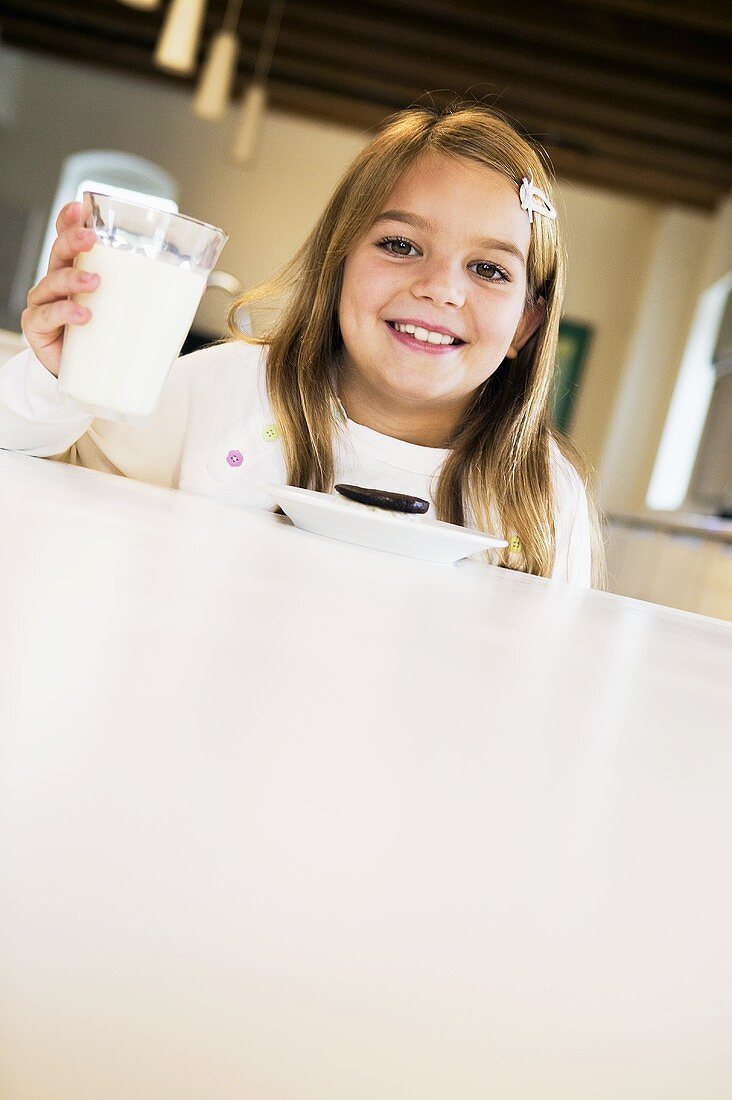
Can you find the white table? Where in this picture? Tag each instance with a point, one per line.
(285, 819)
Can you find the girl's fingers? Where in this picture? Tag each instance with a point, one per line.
(68, 245)
(47, 320)
(68, 216)
(60, 283)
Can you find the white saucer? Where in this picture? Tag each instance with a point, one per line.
(414, 536)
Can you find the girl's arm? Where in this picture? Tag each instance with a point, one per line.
(205, 393)
(35, 418)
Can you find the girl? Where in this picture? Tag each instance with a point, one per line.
(413, 351)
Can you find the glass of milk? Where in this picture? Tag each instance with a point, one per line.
(153, 266)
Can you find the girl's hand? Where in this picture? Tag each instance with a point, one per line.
(49, 307)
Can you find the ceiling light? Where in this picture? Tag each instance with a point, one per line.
(219, 69)
(177, 47)
(252, 109)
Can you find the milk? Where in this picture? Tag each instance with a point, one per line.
(141, 313)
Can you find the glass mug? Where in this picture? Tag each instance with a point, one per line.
(153, 266)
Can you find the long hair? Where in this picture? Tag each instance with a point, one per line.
(499, 467)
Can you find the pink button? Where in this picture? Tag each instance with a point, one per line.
(235, 458)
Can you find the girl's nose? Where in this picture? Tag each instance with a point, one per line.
(441, 283)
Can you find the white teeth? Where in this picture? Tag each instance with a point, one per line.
(425, 335)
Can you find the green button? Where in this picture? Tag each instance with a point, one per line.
(270, 432)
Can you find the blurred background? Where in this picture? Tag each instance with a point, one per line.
(246, 114)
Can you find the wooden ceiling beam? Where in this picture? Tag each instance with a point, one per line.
(555, 128)
(700, 16)
(669, 157)
(549, 39)
(513, 97)
(340, 73)
(554, 133)
(586, 31)
(464, 70)
(705, 15)
(332, 107)
(454, 55)
(601, 172)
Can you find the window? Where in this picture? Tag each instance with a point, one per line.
(699, 388)
(112, 172)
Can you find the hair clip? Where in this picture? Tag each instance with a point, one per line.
(534, 201)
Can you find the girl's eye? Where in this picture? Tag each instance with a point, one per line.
(490, 272)
(398, 246)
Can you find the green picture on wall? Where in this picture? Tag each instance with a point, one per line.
(572, 347)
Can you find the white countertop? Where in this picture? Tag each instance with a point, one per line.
(284, 819)
(682, 523)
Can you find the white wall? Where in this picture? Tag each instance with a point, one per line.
(673, 284)
(609, 243)
(53, 109)
(719, 257)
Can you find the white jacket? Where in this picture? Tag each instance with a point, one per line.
(213, 433)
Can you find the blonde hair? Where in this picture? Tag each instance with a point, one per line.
(498, 470)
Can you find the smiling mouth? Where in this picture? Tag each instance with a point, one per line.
(425, 335)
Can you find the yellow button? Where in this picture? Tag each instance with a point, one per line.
(514, 545)
(270, 432)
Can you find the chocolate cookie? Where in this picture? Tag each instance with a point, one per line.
(380, 498)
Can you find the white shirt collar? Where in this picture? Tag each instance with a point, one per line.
(395, 452)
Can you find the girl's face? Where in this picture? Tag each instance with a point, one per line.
(433, 295)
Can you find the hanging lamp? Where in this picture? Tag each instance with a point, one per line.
(219, 70)
(177, 47)
(255, 99)
(141, 5)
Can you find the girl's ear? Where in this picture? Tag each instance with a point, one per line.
(533, 316)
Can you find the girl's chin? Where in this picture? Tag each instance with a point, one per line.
(419, 392)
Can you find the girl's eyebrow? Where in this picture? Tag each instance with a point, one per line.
(418, 222)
